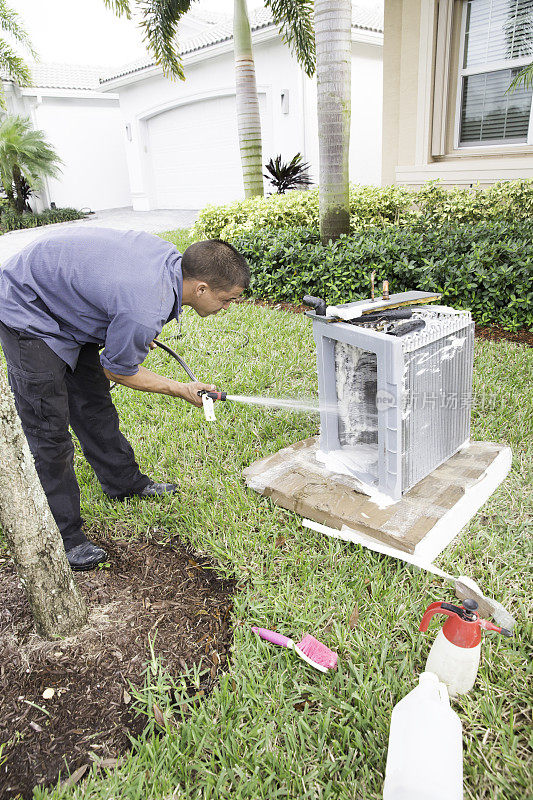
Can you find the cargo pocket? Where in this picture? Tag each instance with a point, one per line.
(42, 405)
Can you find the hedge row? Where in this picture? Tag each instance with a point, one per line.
(486, 267)
(11, 221)
(369, 206)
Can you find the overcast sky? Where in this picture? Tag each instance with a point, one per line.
(86, 32)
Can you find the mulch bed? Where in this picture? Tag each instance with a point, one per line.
(492, 332)
(149, 588)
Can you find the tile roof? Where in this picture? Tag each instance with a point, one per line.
(84, 77)
(362, 18)
(218, 28)
(66, 76)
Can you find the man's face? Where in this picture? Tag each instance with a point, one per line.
(208, 301)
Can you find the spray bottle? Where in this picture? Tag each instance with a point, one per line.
(454, 656)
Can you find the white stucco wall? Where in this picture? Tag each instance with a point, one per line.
(85, 129)
(283, 131)
(88, 136)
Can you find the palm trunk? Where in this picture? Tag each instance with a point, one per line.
(11, 197)
(19, 194)
(248, 120)
(333, 24)
(31, 532)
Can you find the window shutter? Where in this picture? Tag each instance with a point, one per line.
(489, 113)
(496, 31)
(442, 71)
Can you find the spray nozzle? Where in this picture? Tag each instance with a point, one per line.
(463, 626)
(212, 395)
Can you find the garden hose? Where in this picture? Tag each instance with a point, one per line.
(178, 358)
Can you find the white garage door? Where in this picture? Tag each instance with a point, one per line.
(195, 154)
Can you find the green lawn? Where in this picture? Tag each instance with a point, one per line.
(275, 728)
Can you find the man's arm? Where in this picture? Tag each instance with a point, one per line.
(146, 381)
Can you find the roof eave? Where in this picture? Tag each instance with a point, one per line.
(51, 91)
(360, 35)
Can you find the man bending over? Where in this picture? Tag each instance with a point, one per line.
(62, 299)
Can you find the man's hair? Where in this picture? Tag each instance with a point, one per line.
(217, 263)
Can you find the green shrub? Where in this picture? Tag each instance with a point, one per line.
(504, 201)
(369, 206)
(298, 208)
(12, 221)
(486, 267)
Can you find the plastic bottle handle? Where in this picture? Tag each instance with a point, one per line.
(434, 608)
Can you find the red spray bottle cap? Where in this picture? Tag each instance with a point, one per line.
(463, 626)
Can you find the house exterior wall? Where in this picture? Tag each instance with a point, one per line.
(412, 100)
(288, 116)
(86, 132)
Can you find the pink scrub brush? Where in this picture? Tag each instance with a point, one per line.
(317, 654)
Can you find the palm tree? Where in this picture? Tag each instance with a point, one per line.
(10, 62)
(25, 158)
(248, 119)
(293, 19)
(333, 25)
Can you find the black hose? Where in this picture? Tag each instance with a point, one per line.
(178, 358)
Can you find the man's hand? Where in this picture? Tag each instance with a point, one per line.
(189, 391)
(146, 381)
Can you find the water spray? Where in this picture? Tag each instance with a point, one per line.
(209, 398)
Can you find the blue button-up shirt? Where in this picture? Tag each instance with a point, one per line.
(93, 285)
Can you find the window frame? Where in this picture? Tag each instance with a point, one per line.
(482, 69)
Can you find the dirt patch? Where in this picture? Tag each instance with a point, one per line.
(148, 589)
(492, 332)
(495, 333)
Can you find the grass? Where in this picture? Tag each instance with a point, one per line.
(181, 238)
(275, 728)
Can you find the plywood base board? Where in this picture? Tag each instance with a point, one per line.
(422, 523)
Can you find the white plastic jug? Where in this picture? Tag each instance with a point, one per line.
(425, 758)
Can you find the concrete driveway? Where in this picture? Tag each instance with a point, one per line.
(124, 219)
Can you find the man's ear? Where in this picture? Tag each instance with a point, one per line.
(201, 287)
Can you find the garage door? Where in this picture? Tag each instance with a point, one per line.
(195, 156)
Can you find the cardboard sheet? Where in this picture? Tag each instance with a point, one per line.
(422, 523)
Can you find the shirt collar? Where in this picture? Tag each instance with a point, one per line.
(176, 278)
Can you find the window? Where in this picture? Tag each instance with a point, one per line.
(497, 45)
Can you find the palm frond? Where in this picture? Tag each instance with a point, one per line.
(10, 22)
(120, 7)
(524, 78)
(285, 176)
(294, 19)
(28, 149)
(14, 65)
(159, 22)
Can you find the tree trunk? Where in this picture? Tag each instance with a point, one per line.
(32, 534)
(248, 120)
(10, 196)
(333, 25)
(19, 196)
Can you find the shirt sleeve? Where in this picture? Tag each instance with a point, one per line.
(127, 344)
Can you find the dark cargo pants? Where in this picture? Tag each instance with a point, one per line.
(49, 396)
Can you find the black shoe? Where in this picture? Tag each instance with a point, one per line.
(85, 556)
(152, 490)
